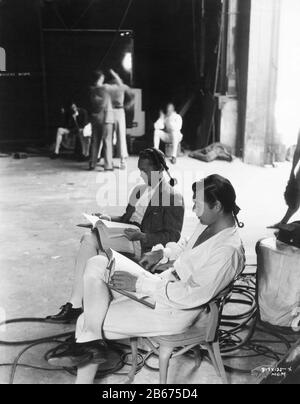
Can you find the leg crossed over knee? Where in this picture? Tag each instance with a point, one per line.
(96, 268)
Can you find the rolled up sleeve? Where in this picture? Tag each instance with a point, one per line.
(213, 276)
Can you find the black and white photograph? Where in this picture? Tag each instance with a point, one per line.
(149, 195)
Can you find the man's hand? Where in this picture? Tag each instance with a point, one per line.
(134, 235)
(116, 76)
(102, 217)
(124, 281)
(161, 114)
(151, 259)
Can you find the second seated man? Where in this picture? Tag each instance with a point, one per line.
(155, 207)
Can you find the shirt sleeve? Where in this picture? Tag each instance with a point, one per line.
(176, 123)
(173, 250)
(211, 278)
(159, 124)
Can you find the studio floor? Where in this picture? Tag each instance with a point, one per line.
(41, 201)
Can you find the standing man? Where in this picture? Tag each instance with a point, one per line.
(292, 193)
(168, 129)
(118, 91)
(102, 118)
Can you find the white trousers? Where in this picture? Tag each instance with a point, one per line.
(120, 128)
(89, 248)
(61, 132)
(168, 137)
(125, 317)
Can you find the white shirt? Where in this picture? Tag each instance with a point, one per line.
(204, 271)
(171, 123)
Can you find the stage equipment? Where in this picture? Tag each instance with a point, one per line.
(278, 273)
(138, 124)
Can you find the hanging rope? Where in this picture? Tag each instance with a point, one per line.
(60, 17)
(83, 14)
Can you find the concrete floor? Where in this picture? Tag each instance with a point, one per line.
(41, 201)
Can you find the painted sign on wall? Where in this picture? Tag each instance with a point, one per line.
(2, 60)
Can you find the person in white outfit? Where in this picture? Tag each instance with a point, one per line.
(118, 92)
(168, 129)
(203, 267)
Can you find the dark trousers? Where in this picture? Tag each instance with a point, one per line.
(102, 134)
(97, 136)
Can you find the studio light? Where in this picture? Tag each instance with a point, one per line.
(127, 62)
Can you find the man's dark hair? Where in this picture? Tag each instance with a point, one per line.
(218, 188)
(156, 157)
(96, 76)
(158, 161)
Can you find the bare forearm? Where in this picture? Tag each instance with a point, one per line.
(117, 78)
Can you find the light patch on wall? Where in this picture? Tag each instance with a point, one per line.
(127, 62)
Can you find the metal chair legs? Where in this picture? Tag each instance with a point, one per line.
(134, 352)
(216, 358)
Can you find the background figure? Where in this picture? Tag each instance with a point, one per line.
(78, 122)
(118, 92)
(102, 119)
(292, 193)
(71, 127)
(62, 130)
(168, 129)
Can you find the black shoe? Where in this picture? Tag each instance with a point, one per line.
(77, 355)
(67, 315)
(54, 156)
(70, 356)
(83, 158)
(91, 167)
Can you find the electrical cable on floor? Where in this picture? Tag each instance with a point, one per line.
(237, 338)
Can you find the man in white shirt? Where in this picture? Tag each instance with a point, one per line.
(204, 266)
(168, 129)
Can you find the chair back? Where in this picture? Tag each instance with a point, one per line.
(216, 307)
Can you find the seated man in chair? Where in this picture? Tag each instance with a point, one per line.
(204, 266)
(156, 208)
(168, 129)
(71, 127)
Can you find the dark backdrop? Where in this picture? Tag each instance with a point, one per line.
(21, 105)
(175, 54)
(71, 57)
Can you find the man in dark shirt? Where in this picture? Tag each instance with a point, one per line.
(71, 127)
(159, 219)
